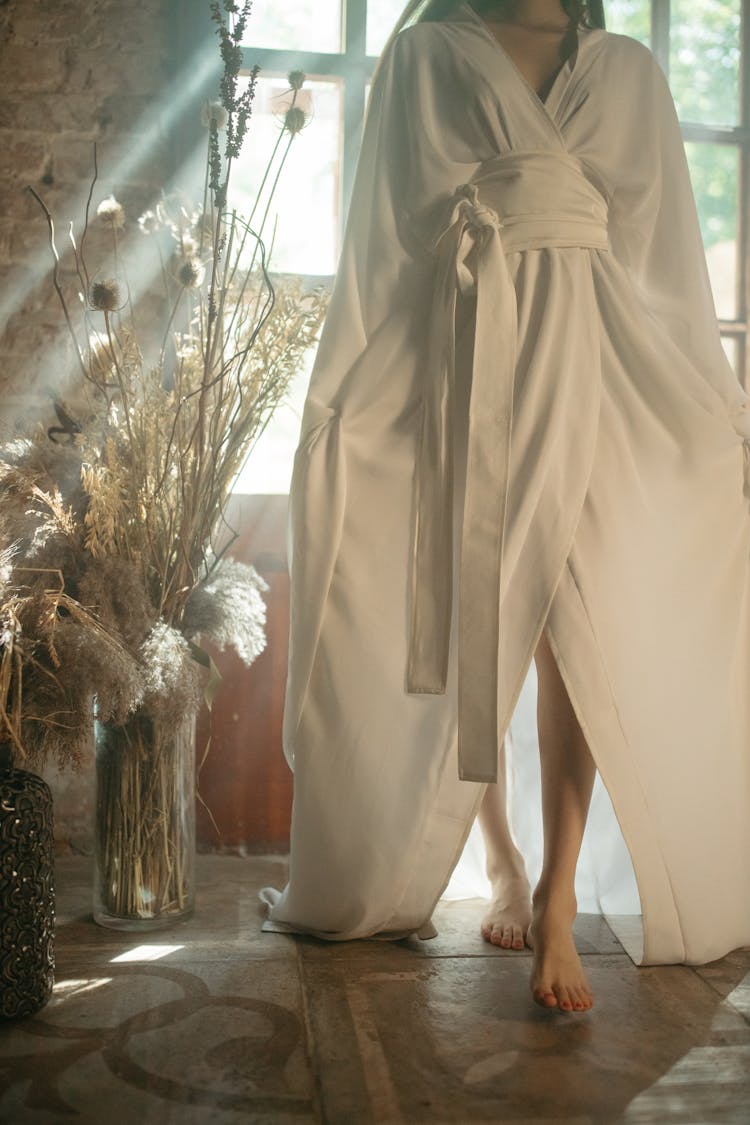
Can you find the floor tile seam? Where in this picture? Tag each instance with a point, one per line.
(64, 966)
(353, 959)
(311, 1045)
(517, 955)
(743, 1015)
(716, 991)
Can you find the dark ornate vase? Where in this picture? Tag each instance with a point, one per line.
(27, 896)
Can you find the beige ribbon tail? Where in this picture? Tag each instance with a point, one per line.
(486, 490)
(431, 580)
(471, 257)
(485, 515)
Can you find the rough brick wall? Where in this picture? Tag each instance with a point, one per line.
(71, 72)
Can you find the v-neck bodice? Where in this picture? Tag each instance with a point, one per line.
(562, 75)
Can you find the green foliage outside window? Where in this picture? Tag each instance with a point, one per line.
(704, 76)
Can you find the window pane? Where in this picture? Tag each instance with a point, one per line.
(269, 466)
(629, 17)
(714, 171)
(295, 25)
(306, 199)
(704, 60)
(732, 349)
(381, 19)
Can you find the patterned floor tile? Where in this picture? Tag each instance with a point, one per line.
(160, 1043)
(459, 1040)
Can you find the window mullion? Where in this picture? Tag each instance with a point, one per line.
(319, 64)
(660, 32)
(354, 14)
(715, 134)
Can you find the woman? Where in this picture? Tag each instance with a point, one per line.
(521, 440)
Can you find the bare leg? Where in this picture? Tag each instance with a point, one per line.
(568, 772)
(509, 915)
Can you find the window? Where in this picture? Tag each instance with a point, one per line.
(702, 45)
(336, 44)
(703, 48)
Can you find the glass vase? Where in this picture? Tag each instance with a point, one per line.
(145, 823)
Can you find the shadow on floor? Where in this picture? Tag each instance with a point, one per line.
(214, 1021)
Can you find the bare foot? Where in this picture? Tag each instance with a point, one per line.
(557, 976)
(507, 920)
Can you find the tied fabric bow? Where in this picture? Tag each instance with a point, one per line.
(470, 260)
(478, 223)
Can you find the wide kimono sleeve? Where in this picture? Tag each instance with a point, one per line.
(400, 169)
(656, 234)
(364, 380)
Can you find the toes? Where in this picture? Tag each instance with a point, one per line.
(545, 997)
(567, 999)
(563, 998)
(506, 936)
(583, 1000)
(586, 996)
(579, 1001)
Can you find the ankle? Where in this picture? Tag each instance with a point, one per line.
(554, 897)
(510, 888)
(504, 863)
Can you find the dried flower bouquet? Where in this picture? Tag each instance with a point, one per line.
(113, 533)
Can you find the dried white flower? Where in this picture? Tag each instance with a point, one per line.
(111, 213)
(214, 116)
(188, 245)
(228, 609)
(149, 222)
(189, 272)
(171, 677)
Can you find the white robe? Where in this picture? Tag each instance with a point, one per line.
(626, 524)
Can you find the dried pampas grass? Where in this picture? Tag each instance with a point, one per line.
(113, 530)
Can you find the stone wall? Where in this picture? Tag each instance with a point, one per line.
(71, 72)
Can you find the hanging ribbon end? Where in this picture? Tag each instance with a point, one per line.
(425, 677)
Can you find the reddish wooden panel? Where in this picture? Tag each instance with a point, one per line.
(245, 780)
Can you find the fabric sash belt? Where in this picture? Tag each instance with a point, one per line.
(522, 201)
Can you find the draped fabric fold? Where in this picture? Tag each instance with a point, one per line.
(470, 256)
(321, 471)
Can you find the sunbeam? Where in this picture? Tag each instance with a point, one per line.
(146, 139)
(146, 953)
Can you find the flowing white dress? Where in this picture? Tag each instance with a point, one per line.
(520, 413)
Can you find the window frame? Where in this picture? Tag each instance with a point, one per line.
(353, 67)
(737, 136)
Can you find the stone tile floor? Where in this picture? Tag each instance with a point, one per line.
(214, 1021)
